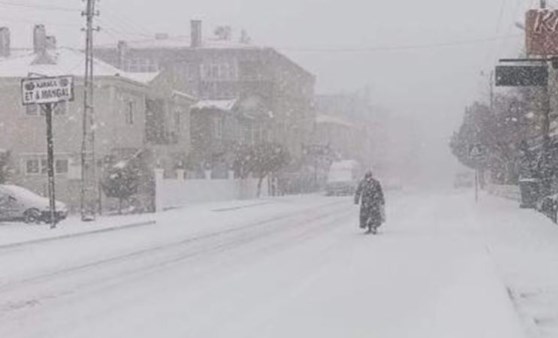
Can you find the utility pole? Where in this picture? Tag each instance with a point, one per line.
(477, 184)
(89, 185)
(48, 109)
(546, 175)
(491, 84)
(490, 87)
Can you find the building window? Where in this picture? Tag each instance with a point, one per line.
(219, 71)
(178, 120)
(218, 124)
(61, 166)
(32, 167)
(252, 70)
(187, 71)
(248, 135)
(39, 165)
(141, 65)
(130, 112)
(44, 167)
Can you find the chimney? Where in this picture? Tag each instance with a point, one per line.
(122, 51)
(51, 42)
(39, 39)
(196, 33)
(5, 45)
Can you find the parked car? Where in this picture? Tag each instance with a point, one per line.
(20, 204)
(343, 178)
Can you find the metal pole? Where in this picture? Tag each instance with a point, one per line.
(477, 185)
(491, 83)
(88, 162)
(48, 108)
(545, 129)
(316, 173)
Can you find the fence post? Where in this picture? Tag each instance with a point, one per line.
(159, 177)
(180, 174)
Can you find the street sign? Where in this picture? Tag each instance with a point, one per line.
(476, 152)
(47, 90)
(541, 28)
(521, 76)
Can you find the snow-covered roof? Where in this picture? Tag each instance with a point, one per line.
(120, 165)
(183, 95)
(142, 77)
(320, 118)
(181, 42)
(62, 61)
(224, 105)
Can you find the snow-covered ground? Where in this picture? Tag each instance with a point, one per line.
(288, 267)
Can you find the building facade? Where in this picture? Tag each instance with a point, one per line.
(126, 121)
(223, 69)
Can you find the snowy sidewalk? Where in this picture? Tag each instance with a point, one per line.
(524, 246)
(15, 234)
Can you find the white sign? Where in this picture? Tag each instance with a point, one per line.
(476, 152)
(47, 90)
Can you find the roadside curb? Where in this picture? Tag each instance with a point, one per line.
(241, 207)
(75, 235)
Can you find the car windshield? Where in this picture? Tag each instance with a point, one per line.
(278, 168)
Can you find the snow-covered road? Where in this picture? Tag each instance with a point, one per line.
(292, 267)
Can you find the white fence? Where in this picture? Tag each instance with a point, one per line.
(511, 192)
(175, 193)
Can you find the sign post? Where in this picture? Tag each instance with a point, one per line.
(48, 108)
(477, 154)
(47, 92)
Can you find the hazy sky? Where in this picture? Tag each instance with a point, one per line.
(343, 42)
(322, 35)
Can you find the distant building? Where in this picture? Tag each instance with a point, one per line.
(220, 127)
(340, 135)
(346, 124)
(223, 69)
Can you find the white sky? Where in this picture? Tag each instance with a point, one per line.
(414, 79)
(433, 84)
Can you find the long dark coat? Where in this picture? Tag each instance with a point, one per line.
(371, 198)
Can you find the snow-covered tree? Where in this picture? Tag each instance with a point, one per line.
(261, 160)
(121, 181)
(500, 131)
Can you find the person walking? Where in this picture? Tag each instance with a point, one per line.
(370, 196)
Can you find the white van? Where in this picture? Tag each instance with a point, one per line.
(343, 178)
